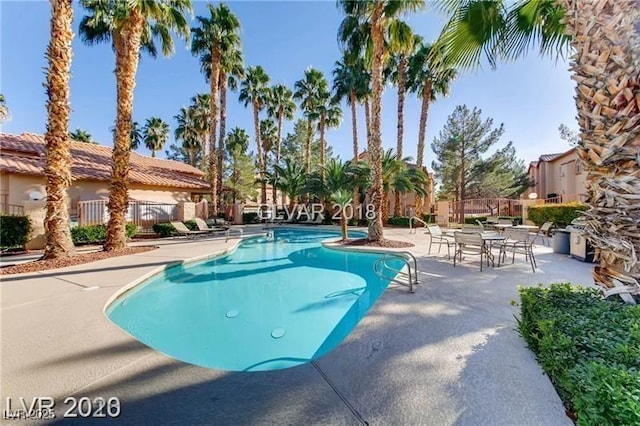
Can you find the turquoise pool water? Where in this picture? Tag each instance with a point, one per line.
(275, 302)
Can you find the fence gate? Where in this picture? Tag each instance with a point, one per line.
(144, 214)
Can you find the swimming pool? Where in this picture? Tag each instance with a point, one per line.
(274, 302)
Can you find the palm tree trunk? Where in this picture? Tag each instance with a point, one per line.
(127, 47)
(256, 127)
(374, 148)
(422, 132)
(222, 82)
(367, 118)
(278, 143)
(203, 141)
(354, 129)
(343, 226)
(58, 160)
(605, 36)
(307, 147)
(402, 64)
(153, 153)
(213, 124)
(323, 121)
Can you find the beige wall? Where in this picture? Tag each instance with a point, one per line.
(562, 176)
(18, 186)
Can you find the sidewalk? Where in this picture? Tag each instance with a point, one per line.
(447, 354)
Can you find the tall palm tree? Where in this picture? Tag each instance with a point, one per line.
(213, 36)
(135, 135)
(428, 77)
(253, 90)
(200, 104)
(329, 115)
(80, 135)
(231, 69)
(4, 109)
(376, 15)
(308, 91)
(269, 137)
(280, 106)
(130, 26)
(155, 134)
(604, 39)
(187, 132)
(351, 82)
(58, 156)
(402, 43)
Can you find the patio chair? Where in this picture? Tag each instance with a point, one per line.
(544, 232)
(471, 229)
(182, 229)
(436, 237)
(517, 242)
(202, 226)
(470, 244)
(480, 224)
(503, 221)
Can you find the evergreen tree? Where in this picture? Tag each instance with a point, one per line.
(240, 171)
(293, 146)
(464, 169)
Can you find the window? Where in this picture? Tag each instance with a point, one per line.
(578, 167)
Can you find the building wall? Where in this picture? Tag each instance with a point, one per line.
(18, 186)
(562, 176)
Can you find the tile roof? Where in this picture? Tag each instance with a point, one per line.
(550, 157)
(25, 153)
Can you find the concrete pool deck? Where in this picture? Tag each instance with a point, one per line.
(447, 354)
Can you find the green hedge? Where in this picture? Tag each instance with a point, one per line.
(472, 220)
(589, 347)
(250, 217)
(403, 221)
(14, 231)
(560, 214)
(164, 230)
(96, 233)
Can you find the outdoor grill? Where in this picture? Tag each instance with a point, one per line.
(580, 248)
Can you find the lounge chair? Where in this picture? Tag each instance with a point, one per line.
(202, 226)
(182, 229)
(437, 237)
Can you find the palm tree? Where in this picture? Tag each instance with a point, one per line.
(237, 142)
(80, 135)
(214, 35)
(155, 134)
(308, 91)
(280, 106)
(58, 154)
(376, 15)
(342, 198)
(4, 110)
(135, 135)
(603, 37)
(429, 77)
(402, 43)
(351, 82)
(130, 26)
(187, 132)
(268, 136)
(253, 90)
(291, 180)
(329, 115)
(231, 69)
(200, 104)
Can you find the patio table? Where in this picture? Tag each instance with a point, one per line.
(487, 240)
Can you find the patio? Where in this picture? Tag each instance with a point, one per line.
(447, 354)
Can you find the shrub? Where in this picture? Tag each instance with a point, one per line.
(560, 214)
(14, 231)
(472, 220)
(191, 224)
(429, 218)
(96, 233)
(164, 230)
(250, 217)
(589, 347)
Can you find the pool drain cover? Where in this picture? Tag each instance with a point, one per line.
(232, 314)
(278, 333)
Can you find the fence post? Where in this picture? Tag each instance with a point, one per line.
(186, 210)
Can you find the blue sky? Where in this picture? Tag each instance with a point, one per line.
(531, 97)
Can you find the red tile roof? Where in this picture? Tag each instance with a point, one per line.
(25, 153)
